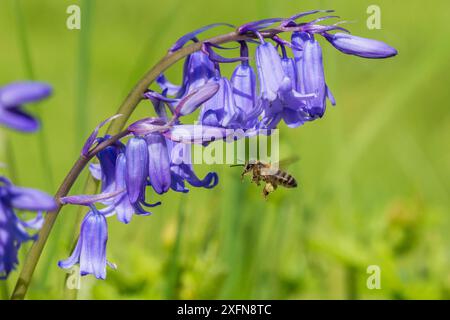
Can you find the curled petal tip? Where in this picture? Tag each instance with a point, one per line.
(192, 35)
(91, 139)
(257, 25)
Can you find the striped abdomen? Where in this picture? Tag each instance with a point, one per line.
(283, 178)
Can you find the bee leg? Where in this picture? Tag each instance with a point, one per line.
(243, 174)
(256, 179)
(268, 188)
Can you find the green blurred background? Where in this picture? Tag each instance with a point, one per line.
(374, 172)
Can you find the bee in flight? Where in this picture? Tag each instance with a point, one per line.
(270, 174)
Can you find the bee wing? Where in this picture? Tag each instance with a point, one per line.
(285, 162)
(268, 171)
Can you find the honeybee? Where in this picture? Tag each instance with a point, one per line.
(270, 174)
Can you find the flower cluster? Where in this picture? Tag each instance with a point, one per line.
(288, 85)
(12, 198)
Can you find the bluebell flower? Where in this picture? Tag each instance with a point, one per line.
(358, 46)
(221, 110)
(136, 168)
(158, 162)
(13, 96)
(243, 82)
(310, 73)
(90, 250)
(127, 189)
(197, 70)
(12, 229)
(279, 98)
(182, 170)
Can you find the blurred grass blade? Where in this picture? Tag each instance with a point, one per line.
(82, 80)
(44, 154)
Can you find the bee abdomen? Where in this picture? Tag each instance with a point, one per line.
(285, 179)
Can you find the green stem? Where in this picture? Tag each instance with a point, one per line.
(126, 109)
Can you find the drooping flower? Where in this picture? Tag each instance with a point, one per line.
(221, 110)
(279, 98)
(181, 169)
(197, 70)
(90, 250)
(13, 96)
(310, 73)
(136, 169)
(243, 82)
(12, 229)
(270, 71)
(358, 46)
(126, 188)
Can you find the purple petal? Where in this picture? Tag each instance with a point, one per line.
(17, 119)
(362, 47)
(159, 163)
(192, 101)
(191, 35)
(74, 257)
(94, 235)
(213, 56)
(270, 70)
(196, 133)
(148, 125)
(330, 96)
(18, 93)
(137, 164)
(164, 84)
(91, 139)
(87, 199)
(95, 170)
(288, 21)
(243, 82)
(31, 199)
(258, 25)
(314, 77)
(35, 223)
(123, 206)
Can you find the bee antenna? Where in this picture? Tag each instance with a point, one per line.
(237, 165)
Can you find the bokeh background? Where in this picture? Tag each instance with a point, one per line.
(374, 172)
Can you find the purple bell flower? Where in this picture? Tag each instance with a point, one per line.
(243, 82)
(106, 169)
(270, 71)
(358, 46)
(279, 98)
(90, 250)
(221, 110)
(137, 164)
(310, 73)
(12, 229)
(124, 183)
(13, 96)
(182, 170)
(159, 162)
(122, 205)
(197, 71)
